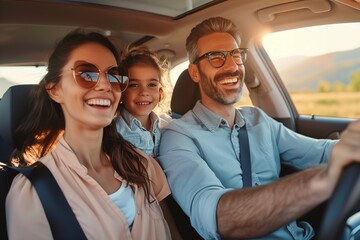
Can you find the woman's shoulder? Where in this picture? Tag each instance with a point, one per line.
(157, 178)
(21, 189)
(151, 164)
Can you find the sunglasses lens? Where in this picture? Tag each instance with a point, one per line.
(117, 80)
(86, 75)
(114, 77)
(124, 83)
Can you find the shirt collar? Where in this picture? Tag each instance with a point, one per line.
(211, 120)
(68, 157)
(133, 122)
(128, 117)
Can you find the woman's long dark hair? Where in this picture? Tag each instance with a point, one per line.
(45, 123)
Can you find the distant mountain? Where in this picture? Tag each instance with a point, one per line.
(4, 85)
(304, 73)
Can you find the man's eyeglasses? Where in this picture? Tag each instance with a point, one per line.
(217, 59)
(87, 75)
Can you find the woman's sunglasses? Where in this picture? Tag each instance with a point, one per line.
(87, 75)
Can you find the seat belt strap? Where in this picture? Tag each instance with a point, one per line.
(61, 218)
(245, 159)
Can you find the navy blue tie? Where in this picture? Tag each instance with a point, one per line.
(245, 161)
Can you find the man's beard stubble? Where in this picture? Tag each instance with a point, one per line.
(210, 87)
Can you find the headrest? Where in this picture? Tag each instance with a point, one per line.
(14, 106)
(185, 94)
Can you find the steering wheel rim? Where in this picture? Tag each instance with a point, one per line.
(342, 204)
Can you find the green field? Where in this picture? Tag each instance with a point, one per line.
(334, 104)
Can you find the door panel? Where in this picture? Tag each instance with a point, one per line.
(321, 127)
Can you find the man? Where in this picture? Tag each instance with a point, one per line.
(200, 152)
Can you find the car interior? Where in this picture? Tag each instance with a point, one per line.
(30, 28)
(14, 107)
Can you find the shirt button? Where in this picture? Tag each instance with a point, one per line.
(139, 212)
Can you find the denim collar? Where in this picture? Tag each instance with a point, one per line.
(134, 123)
(211, 120)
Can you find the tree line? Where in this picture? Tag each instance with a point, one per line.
(340, 86)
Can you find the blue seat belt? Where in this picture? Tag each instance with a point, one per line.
(245, 159)
(60, 216)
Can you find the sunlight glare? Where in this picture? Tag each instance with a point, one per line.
(177, 70)
(29, 74)
(315, 40)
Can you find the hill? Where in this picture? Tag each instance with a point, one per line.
(304, 73)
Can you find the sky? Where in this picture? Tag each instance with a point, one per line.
(338, 37)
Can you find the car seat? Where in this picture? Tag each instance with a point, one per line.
(185, 94)
(14, 106)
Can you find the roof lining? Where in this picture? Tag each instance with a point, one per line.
(350, 3)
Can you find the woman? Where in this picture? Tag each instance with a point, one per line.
(115, 191)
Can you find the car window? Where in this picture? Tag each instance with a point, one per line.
(14, 75)
(320, 67)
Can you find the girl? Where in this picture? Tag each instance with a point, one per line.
(146, 94)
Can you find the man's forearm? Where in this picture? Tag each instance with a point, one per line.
(261, 210)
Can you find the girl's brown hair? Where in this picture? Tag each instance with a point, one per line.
(134, 55)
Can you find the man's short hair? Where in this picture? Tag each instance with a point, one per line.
(206, 27)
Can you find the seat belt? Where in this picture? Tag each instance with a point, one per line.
(245, 159)
(59, 214)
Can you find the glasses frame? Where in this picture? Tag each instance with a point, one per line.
(99, 71)
(225, 53)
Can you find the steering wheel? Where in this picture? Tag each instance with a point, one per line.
(344, 202)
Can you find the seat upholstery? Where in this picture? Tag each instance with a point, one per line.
(14, 105)
(186, 93)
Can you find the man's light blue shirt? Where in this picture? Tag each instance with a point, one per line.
(200, 156)
(133, 131)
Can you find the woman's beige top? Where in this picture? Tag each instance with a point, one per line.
(98, 216)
